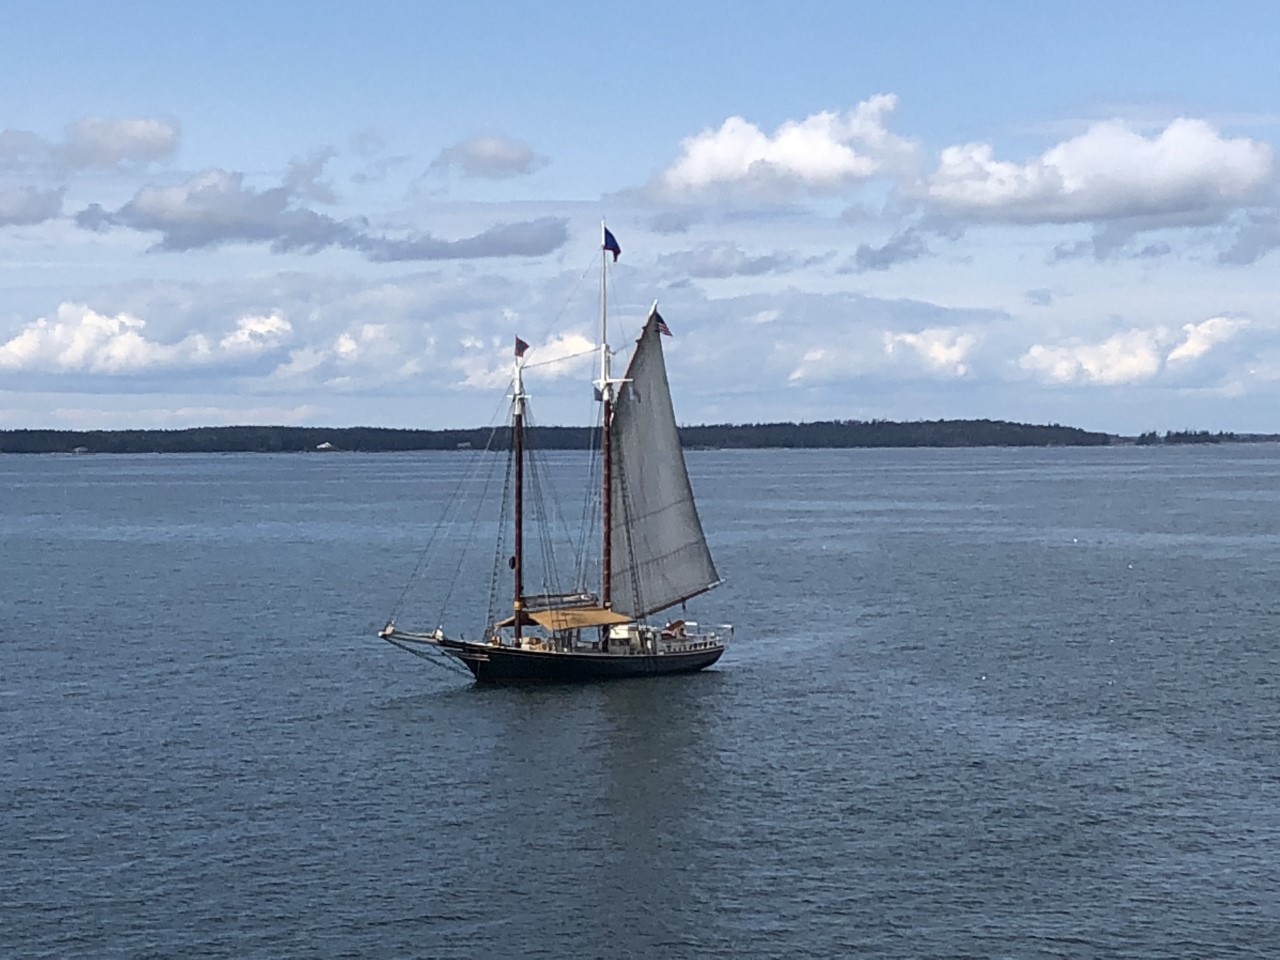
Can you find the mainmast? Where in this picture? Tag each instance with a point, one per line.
(604, 390)
(517, 446)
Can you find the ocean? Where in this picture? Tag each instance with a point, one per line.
(987, 703)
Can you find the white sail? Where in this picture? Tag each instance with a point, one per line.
(659, 552)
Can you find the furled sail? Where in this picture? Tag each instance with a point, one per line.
(659, 552)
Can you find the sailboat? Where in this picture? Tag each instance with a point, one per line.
(653, 550)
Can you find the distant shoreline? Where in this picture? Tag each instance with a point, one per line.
(829, 434)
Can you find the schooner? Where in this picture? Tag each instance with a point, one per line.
(653, 550)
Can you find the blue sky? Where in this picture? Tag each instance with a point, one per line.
(313, 214)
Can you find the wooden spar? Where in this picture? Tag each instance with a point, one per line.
(517, 428)
(606, 553)
(606, 451)
(517, 450)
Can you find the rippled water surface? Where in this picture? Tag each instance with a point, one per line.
(981, 703)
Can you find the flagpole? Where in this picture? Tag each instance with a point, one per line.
(604, 312)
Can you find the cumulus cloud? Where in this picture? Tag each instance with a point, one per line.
(486, 364)
(940, 350)
(255, 334)
(81, 339)
(1202, 337)
(301, 362)
(217, 207)
(1187, 173)
(27, 205)
(823, 152)
(489, 158)
(365, 342)
(1128, 357)
(1138, 355)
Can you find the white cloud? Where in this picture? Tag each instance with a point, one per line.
(1128, 357)
(822, 152)
(80, 339)
(814, 364)
(301, 362)
(367, 343)
(487, 365)
(254, 334)
(371, 349)
(1187, 173)
(941, 350)
(856, 352)
(1203, 337)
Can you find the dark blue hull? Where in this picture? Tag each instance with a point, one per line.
(493, 664)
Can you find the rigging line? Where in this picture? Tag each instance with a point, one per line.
(573, 293)
(504, 516)
(627, 520)
(536, 463)
(572, 356)
(441, 660)
(455, 497)
(538, 513)
(478, 460)
(475, 519)
(591, 508)
(539, 460)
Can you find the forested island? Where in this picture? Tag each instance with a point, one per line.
(275, 439)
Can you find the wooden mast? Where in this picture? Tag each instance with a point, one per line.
(517, 445)
(606, 449)
(606, 554)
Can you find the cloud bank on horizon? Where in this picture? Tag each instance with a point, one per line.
(824, 263)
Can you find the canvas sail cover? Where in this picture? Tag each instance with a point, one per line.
(659, 552)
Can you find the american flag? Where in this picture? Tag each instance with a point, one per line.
(661, 324)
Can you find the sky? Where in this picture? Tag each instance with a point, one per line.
(331, 214)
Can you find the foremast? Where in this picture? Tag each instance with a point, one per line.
(518, 398)
(605, 392)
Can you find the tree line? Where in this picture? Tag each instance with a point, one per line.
(1152, 437)
(278, 439)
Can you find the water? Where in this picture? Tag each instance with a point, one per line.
(981, 703)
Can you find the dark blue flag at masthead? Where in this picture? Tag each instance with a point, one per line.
(611, 244)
